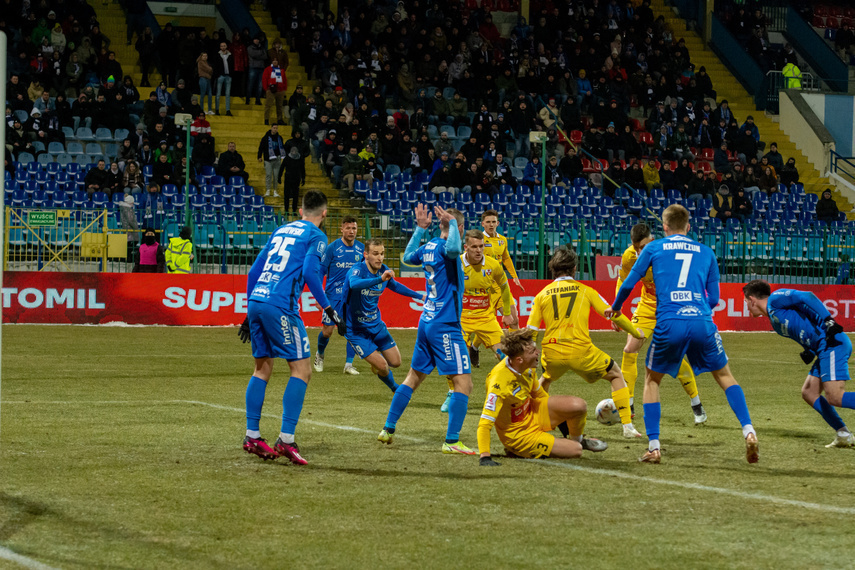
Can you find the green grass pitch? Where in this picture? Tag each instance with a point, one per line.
(120, 448)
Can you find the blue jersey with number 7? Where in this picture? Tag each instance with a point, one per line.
(686, 276)
(281, 280)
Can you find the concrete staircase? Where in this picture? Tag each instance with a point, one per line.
(742, 104)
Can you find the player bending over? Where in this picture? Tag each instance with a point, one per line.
(565, 306)
(274, 285)
(339, 257)
(481, 274)
(524, 413)
(644, 319)
(366, 331)
(799, 315)
(685, 274)
(439, 342)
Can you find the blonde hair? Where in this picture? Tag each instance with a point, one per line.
(676, 217)
(514, 342)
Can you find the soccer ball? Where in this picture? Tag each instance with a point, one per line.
(607, 413)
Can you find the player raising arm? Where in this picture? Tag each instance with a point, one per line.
(339, 257)
(524, 413)
(565, 306)
(799, 315)
(274, 285)
(644, 319)
(439, 343)
(366, 331)
(686, 277)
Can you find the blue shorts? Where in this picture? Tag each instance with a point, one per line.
(276, 333)
(440, 346)
(366, 341)
(832, 364)
(338, 305)
(698, 340)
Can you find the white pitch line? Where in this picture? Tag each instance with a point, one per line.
(592, 470)
(697, 487)
(6, 554)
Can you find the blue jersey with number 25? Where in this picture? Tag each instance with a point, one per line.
(281, 280)
(686, 276)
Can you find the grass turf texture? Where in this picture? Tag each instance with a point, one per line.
(155, 480)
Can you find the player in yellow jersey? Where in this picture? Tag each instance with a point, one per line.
(564, 306)
(644, 319)
(496, 247)
(524, 413)
(480, 275)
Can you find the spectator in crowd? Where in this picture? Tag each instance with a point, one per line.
(201, 126)
(230, 163)
(750, 181)
(571, 165)
(274, 83)
(843, 270)
(699, 188)
(353, 169)
(635, 176)
(132, 178)
(115, 177)
(667, 177)
(826, 208)
(683, 174)
(722, 204)
(844, 41)
(205, 73)
(651, 176)
(768, 181)
(224, 69)
(163, 170)
(97, 179)
(294, 173)
(271, 151)
(532, 173)
(743, 209)
(774, 157)
(257, 61)
(150, 256)
(721, 160)
(789, 174)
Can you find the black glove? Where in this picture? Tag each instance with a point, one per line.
(488, 462)
(243, 331)
(339, 323)
(831, 329)
(807, 356)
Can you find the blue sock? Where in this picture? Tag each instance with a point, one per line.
(828, 413)
(399, 404)
(350, 353)
(254, 400)
(652, 416)
(389, 380)
(322, 343)
(456, 414)
(292, 403)
(848, 400)
(736, 399)
(500, 354)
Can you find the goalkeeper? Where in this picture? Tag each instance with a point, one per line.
(799, 315)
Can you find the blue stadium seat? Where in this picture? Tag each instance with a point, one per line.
(84, 134)
(103, 134)
(385, 207)
(236, 181)
(197, 201)
(372, 197)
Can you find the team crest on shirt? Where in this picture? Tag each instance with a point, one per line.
(490, 404)
(487, 272)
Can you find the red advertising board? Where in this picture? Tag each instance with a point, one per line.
(217, 300)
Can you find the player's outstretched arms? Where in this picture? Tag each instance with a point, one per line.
(402, 289)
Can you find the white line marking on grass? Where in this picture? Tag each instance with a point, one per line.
(698, 487)
(6, 554)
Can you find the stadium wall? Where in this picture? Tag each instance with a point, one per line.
(220, 300)
(837, 113)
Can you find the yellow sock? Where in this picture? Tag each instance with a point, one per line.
(577, 426)
(450, 384)
(687, 379)
(629, 369)
(621, 399)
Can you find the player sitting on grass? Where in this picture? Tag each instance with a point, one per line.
(799, 315)
(644, 319)
(565, 306)
(366, 331)
(439, 342)
(524, 413)
(480, 275)
(339, 257)
(686, 277)
(274, 285)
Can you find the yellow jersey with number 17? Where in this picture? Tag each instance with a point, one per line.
(647, 306)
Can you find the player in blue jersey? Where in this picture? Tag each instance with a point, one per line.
(799, 315)
(686, 277)
(339, 257)
(366, 331)
(439, 343)
(274, 285)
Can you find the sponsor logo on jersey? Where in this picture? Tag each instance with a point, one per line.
(446, 346)
(689, 312)
(490, 404)
(681, 296)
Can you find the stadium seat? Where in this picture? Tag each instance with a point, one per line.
(84, 134)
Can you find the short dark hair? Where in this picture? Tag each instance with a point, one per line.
(563, 263)
(757, 288)
(314, 202)
(639, 232)
(349, 220)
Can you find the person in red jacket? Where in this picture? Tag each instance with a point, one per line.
(274, 83)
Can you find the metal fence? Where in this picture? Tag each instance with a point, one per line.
(93, 240)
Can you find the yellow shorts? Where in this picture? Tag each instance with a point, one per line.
(591, 363)
(531, 439)
(481, 331)
(647, 324)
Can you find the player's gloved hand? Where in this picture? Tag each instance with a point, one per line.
(243, 331)
(339, 324)
(488, 462)
(831, 329)
(807, 356)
